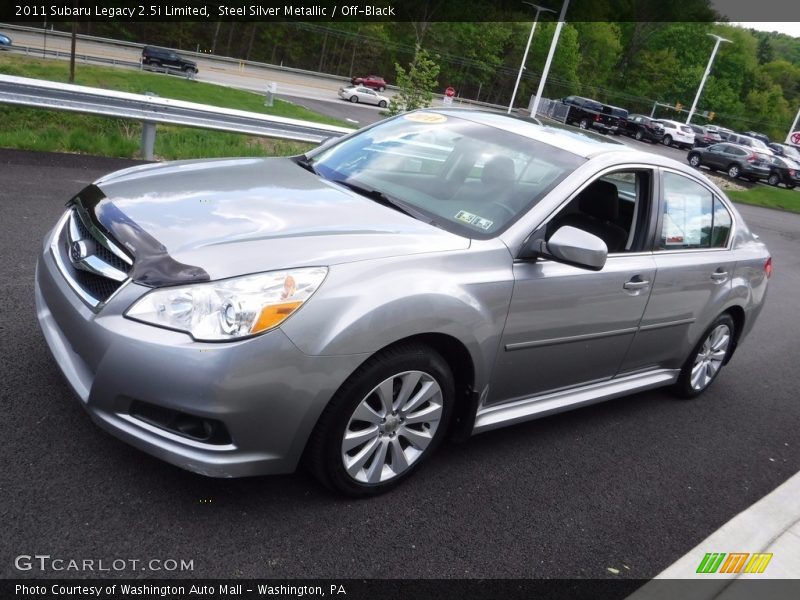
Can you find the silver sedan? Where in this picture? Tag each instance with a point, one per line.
(442, 272)
(359, 93)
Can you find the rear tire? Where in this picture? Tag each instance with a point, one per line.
(381, 88)
(706, 359)
(382, 103)
(384, 422)
(638, 136)
(584, 124)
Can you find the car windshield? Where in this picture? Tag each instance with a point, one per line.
(466, 177)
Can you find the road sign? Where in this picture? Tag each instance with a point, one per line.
(449, 92)
(795, 138)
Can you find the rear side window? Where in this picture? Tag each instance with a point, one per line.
(692, 217)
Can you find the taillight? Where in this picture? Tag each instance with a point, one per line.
(768, 267)
(752, 158)
(792, 172)
(597, 118)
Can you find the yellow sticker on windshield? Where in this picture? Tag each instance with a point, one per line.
(425, 117)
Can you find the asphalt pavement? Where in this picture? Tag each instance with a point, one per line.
(621, 489)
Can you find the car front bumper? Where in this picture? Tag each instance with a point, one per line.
(266, 393)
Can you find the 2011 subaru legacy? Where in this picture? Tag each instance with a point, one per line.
(440, 272)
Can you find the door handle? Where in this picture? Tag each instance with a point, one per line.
(636, 284)
(719, 276)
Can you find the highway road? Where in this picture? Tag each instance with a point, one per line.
(628, 485)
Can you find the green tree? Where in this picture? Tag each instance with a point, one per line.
(417, 84)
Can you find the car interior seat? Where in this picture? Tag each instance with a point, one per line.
(598, 207)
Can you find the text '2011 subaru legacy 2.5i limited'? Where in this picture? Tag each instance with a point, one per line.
(439, 272)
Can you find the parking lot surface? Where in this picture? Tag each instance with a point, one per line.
(620, 489)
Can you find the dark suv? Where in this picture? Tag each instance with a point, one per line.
(161, 57)
(643, 128)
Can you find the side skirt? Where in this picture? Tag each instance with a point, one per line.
(493, 417)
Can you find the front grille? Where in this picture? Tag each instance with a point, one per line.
(93, 265)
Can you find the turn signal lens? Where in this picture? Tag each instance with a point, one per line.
(768, 267)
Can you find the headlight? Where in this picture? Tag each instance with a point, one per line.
(231, 308)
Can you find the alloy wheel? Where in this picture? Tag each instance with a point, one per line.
(391, 427)
(710, 357)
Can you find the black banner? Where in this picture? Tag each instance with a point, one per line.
(54, 11)
(425, 589)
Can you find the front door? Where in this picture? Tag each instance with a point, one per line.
(569, 326)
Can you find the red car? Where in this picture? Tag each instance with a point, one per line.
(370, 81)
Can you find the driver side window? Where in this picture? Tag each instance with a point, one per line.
(614, 207)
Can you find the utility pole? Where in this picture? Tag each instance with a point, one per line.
(539, 9)
(705, 75)
(549, 60)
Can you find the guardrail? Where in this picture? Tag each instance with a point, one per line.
(151, 110)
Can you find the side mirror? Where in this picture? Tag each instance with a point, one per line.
(575, 247)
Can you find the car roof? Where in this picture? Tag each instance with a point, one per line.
(576, 141)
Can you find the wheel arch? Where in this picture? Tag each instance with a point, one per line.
(737, 313)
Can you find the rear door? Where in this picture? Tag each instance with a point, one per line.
(694, 268)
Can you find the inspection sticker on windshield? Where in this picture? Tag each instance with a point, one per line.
(475, 220)
(423, 117)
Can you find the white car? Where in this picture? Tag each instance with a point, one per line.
(677, 134)
(359, 93)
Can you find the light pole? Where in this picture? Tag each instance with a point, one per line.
(549, 60)
(539, 9)
(705, 75)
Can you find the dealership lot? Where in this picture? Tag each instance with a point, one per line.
(629, 485)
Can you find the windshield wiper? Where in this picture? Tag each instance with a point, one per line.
(382, 198)
(306, 163)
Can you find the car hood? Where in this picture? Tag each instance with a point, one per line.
(235, 216)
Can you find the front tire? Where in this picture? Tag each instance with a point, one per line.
(638, 136)
(354, 99)
(706, 359)
(733, 171)
(694, 160)
(382, 103)
(667, 141)
(774, 179)
(384, 421)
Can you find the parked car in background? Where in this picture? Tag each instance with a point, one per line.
(359, 93)
(751, 142)
(736, 161)
(622, 116)
(641, 128)
(677, 134)
(723, 132)
(704, 137)
(785, 150)
(161, 57)
(5, 42)
(759, 136)
(354, 306)
(374, 82)
(590, 114)
(784, 170)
